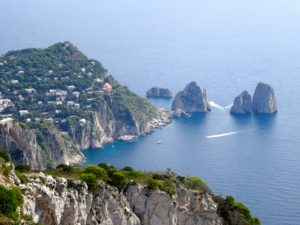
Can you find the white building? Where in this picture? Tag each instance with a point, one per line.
(23, 112)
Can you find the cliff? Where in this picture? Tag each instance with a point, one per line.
(64, 200)
(191, 100)
(264, 100)
(84, 105)
(39, 150)
(242, 104)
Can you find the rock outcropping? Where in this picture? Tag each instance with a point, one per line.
(26, 148)
(157, 92)
(242, 104)
(106, 125)
(52, 201)
(264, 100)
(191, 100)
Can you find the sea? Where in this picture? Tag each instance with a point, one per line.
(226, 46)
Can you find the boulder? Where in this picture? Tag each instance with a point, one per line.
(242, 104)
(264, 100)
(191, 100)
(157, 92)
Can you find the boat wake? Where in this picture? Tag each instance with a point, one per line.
(217, 106)
(229, 106)
(222, 135)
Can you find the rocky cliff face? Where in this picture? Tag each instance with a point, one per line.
(242, 104)
(264, 100)
(157, 92)
(52, 201)
(106, 126)
(24, 146)
(187, 208)
(191, 100)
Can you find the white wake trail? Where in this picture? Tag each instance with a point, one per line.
(229, 106)
(215, 105)
(222, 135)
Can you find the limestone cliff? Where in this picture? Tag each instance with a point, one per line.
(40, 151)
(242, 104)
(264, 100)
(191, 100)
(52, 201)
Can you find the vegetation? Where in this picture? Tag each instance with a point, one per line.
(90, 179)
(10, 199)
(61, 85)
(232, 212)
(4, 154)
(235, 213)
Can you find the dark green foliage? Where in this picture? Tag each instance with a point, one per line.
(7, 168)
(157, 176)
(90, 179)
(195, 183)
(10, 199)
(23, 168)
(154, 184)
(110, 170)
(65, 168)
(119, 180)
(235, 213)
(128, 168)
(22, 177)
(169, 187)
(98, 171)
(4, 154)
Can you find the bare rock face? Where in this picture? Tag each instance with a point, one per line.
(23, 146)
(157, 92)
(191, 100)
(52, 201)
(56, 201)
(264, 100)
(242, 104)
(187, 208)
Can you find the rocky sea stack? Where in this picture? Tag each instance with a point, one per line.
(264, 100)
(157, 92)
(191, 100)
(242, 104)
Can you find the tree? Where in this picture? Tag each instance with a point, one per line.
(90, 179)
(119, 180)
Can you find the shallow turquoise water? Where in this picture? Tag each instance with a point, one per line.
(226, 46)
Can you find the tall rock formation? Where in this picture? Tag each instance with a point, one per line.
(264, 100)
(242, 104)
(191, 100)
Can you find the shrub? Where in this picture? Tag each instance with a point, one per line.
(65, 168)
(154, 184)
(195, 183)
(22, 177)
(110, 170)
(90, 179)
(128, 168)
(4, 154)
(169, 187)
(157, 176)
(7, 168)
(119, 180)
(10, 199)
(23, 168)
(98, 171)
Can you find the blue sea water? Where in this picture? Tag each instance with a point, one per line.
(226, 46)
